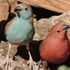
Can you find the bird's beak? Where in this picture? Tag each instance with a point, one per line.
(17, 9)
(65, 27)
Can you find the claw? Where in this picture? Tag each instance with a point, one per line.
(8, 60)
(7, 64)
(30, 62)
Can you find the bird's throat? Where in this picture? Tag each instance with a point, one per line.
(18, 14)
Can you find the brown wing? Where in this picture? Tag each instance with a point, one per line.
(9, 24)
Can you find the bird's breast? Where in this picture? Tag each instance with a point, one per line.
(19, 32)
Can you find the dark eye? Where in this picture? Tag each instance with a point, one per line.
(25, 8)
(58, 31)
(18, 2)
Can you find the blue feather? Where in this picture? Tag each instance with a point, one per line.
(21, 28)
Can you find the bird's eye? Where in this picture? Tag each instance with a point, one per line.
(25, 8)
(58, 31)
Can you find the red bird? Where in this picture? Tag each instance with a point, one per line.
(55, 47)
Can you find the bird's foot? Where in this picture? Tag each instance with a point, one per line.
(31, 63)
(7, 63)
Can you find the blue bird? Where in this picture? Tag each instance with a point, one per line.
(20, 30)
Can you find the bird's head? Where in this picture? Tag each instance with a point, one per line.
(23, 10)
(59, 30)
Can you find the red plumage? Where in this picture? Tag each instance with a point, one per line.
(55, 47)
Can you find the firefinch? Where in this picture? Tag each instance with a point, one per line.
(55, 47)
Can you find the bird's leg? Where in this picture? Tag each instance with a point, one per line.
(7, 60)
(30, 62)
